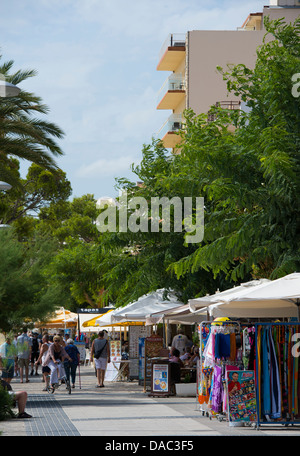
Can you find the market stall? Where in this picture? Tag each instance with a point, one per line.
(220, 352)
(268, 352)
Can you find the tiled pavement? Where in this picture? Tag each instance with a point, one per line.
(119, 409)
(49, 417)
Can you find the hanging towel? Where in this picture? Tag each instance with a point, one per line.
(275, 384)
(216, 396)
(232, 346)
(266, 389)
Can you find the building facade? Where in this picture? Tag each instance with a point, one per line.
(193, 58)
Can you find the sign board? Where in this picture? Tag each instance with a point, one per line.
(115, 351)
(111, 372)
(241, 396)
(160, 378)
(135, 333)
(153, 345)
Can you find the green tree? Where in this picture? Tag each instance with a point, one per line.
(75, 267)
(25, 295)
(20, 207)
(252, 175)
(136, 263)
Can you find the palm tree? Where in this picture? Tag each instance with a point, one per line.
(22, 134)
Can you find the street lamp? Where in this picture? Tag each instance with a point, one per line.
(8, 90)
(4, 186)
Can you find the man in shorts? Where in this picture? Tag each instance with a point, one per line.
(19, 397)
(24, 344)
(101, 352)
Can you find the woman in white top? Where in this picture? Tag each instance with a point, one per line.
(43, 353)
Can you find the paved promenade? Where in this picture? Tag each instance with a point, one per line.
(118, 409)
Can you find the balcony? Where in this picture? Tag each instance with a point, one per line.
(172, 52)
(168, 132)
(172, 92)
(228, 104)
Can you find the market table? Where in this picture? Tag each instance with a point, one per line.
(124, 365)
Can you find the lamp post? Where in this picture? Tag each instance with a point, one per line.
(4, 186)
(8, 90)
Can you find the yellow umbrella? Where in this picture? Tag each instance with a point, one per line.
(127, 323)
(92, 322)
(63, 318)
(106, 320)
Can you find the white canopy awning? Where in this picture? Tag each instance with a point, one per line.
(272, 299)
(146, 305)
(223, 296)
(175, 316)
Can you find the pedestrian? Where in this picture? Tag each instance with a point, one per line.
(7, 359)
(42, 356)
(15, 344)
(66, 337)
(180, 341)
(24, 352)
(71, 367)
(20, 397)
(101, 352)
(35, 352)
(54, 359)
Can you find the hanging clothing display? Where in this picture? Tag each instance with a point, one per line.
(267, 350)
(277, 372)
(220, 351)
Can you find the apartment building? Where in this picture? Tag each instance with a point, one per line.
(193, 57)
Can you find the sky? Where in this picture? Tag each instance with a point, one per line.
(96, 71)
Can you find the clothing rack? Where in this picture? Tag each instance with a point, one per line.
(226, 327)
(276, 353)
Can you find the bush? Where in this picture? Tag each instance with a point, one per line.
(6, 404)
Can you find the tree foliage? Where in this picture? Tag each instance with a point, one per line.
(24, 292)
(253, 178)
(25, 134)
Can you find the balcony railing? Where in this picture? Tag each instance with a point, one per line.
(224, 105)
(173, 40)
(173, 83)
(172, 124)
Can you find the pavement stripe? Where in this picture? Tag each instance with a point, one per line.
(48, 417)
(137, 418)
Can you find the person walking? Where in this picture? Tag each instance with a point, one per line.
(42, 356)
(35, 352)
(7, 360)
(24, 344)
(71, 367)
(54, 359)
(101, 352)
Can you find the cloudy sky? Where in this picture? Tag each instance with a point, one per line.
(96, 62)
